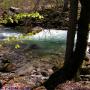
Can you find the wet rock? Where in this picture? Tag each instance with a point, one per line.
(34, 46)
(36, 30)
(33, 30)
(14, 9)
(2, 37)
(31, 47)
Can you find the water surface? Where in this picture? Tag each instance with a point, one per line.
(49, 40)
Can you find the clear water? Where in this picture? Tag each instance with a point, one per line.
(48, 40)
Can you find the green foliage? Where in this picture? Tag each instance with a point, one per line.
(19, 38)
(15, 41)
(20, 16)
(17, 18)
(17, 46)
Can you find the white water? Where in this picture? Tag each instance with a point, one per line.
(43, 35)
(50, 35)
(46, 34)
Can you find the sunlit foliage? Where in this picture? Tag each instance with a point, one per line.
(18, 18)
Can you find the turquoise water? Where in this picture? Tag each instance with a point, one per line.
(48, 40)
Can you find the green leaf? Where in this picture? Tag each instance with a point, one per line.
(10, 19)
(17, 46)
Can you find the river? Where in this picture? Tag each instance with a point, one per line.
(49, 40)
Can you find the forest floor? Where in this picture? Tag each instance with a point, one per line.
(24, 70)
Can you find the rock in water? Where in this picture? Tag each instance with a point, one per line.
(36, 30)
(34, 46)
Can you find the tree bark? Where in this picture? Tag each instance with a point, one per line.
(82, 32)
(68, 71)
(36, 5)
(65, 8)
(72, 29)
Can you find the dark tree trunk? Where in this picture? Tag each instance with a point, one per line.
(65, 8)
(72, 29)
(68, 71)
(82, 32)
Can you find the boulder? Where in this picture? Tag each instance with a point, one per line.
(36, 29)
(15, 10)
(34, 46)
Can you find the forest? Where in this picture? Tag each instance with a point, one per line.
(44, 45)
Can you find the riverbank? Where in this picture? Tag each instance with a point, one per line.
(27, 70)
(31, 67)
(27, 67)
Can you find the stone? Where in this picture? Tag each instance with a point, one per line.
(36, 30)
(50, 71)
(7, 67)
(24, 70)
(34, 46)
(14, 9)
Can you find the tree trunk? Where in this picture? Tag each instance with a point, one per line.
(65, 8)
(82, 32)
(36, 5)
(72, 29)
(68, 71)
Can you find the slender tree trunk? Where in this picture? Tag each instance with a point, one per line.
(36, 5)
(65, 8)
(72, 29)
(68, 71)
